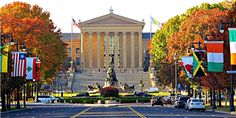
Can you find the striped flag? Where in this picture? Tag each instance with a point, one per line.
(4, 59)
(19, 64)
(215, 56)
(74, 23)
(232, 43)
(30, 65)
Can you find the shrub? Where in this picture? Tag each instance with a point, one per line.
(109, 92)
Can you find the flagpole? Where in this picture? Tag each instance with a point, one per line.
(71, 37)
(150, 29)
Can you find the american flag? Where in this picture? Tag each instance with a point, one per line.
(19, 64)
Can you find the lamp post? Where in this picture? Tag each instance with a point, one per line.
(222, 27)
(175, 61)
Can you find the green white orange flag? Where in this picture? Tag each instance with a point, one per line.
(232, 43)
(215, 56)
(4, 59)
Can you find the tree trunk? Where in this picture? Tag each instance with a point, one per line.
(210, 97)
(18, 98)
(3, 98)
(220, 105)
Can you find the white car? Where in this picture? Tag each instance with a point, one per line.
(46, 99)
(195, 103)
(152, 89)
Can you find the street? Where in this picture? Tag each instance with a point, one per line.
(108, 110)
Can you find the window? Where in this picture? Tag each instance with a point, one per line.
(77, 50)
(77, 61)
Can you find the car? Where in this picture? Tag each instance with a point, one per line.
(195, 103)
(152, 90)
(83, 94)
(167, 100)
(142, 94)
(181, 101)
(46, 99)
(59, 99)
(157, 100)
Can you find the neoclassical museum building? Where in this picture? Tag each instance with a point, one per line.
(106, 36)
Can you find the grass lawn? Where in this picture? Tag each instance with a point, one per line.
(223, 108)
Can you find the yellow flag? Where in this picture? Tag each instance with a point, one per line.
(5, 59)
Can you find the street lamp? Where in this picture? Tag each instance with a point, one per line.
(222, 27)
(175, 61)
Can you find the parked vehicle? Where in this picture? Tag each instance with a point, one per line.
(142, 94)
(195, 103)
(152, 89)
(157, 100)
(181, 101)
(59, 99)
(167, 100)
(83, 94)
(46, 99)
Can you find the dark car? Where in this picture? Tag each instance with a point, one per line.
(142, 94)
(60, 99)
(83, 94)
(181, 101)
(157, 100)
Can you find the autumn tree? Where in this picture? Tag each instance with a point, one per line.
(31, 25)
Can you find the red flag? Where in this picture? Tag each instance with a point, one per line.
(36, 74)
(19, 64)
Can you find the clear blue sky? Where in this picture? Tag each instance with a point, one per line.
(63, 10)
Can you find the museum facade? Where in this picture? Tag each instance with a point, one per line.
(107, 36)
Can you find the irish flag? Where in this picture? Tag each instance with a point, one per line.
(215, 56)
(232, 43)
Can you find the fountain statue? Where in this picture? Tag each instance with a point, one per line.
(111, 74)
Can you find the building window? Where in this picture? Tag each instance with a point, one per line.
(77, 50)
(77, 61)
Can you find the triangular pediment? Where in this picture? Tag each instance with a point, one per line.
(111, 19)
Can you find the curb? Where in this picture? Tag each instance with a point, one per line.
(232, 113)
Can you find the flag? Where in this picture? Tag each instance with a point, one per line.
(30, 65)
(4, 59)
(36, 74)
(215, 56)
(198, 69)
(232, 43)
(74, 23)
(19, 64)
(188, 64)
(155, 22)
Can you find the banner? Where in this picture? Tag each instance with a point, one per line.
(30, 63)
(198, 57)
(188, 65)
(232, 43)
(19, 64)
(4, 59)
(215, 56)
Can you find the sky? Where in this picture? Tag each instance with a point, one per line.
(62, 11)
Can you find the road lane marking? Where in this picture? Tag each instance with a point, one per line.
(136, 112)
(78, 114)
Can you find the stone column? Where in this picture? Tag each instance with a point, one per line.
(106, 49)
(90, 55)
(98, 51)
(132, 50)
(124, 50)
(82, 50)
(116, 50)
(140, 51)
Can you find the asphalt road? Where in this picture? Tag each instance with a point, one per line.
(105, 111)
